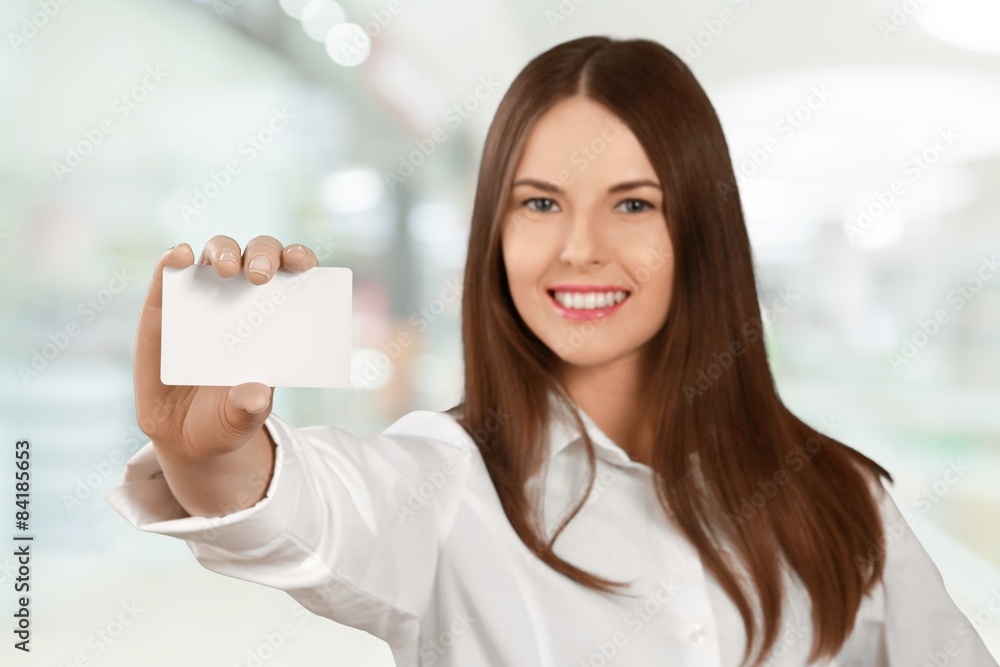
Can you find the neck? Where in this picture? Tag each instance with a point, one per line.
(609, 395)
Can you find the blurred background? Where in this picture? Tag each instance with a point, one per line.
(866, 141)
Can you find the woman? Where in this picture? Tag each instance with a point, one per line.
(621, 481)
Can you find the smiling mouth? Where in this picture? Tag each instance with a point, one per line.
(576, 304)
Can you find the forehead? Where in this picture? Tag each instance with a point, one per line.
(582, 140)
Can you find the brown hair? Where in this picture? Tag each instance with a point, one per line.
(717, 447)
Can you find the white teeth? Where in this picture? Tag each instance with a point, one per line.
(589, 300)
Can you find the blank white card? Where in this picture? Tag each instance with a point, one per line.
(293, 331)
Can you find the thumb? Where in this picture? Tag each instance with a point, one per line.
(248, 405)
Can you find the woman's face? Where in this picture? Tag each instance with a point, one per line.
(589, 261)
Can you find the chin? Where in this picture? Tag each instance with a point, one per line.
(587, 355)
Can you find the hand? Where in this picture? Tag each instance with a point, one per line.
(195, 424)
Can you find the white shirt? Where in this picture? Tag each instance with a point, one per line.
(401, 534)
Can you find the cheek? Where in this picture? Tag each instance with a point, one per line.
(652, 269)
(513, 257)
(525, 259)
(664, 289)
(657, 271)
(519, 272)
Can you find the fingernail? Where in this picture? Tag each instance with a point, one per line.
(229, 255)
(260, 264)
(256, 407)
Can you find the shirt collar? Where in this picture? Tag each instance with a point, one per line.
(563, 433)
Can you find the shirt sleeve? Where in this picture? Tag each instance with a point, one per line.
(910, 619)
(350, 525)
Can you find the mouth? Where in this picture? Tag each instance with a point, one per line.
(581, 303)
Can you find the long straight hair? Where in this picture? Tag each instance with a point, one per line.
(720, 445)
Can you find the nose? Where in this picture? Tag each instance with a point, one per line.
(582, 246)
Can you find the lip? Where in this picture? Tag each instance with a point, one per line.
(594, 314)
(586, 288)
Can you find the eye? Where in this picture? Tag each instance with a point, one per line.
(539, 204)
(635, 205)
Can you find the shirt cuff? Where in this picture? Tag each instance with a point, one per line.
(145, 500)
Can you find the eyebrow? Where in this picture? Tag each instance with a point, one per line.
(555, 189)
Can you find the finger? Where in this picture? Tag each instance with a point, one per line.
(178, 257)
(248, 405)
(223, 253)
(261, 259)
(297, 257)
(146, 362)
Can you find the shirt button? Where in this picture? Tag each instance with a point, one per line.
(697, 634)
